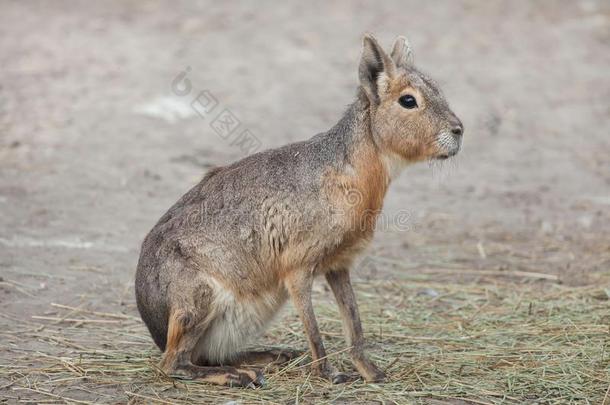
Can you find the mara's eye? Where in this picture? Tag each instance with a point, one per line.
(408, 101)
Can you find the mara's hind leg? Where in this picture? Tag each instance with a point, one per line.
(183, 333)
(271, 357)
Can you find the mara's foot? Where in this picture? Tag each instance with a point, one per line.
(229, 376)
(367, 369)
(331, 374)
(374, 376)
(272, 357)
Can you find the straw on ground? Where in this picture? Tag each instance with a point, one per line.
(501, 340)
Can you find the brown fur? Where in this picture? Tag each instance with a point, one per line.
(221, 262)
(175, 331)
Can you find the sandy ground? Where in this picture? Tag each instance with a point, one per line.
(95, 145)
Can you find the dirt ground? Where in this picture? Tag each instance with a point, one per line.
(95, 145)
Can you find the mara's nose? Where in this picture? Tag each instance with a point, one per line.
(457, 130)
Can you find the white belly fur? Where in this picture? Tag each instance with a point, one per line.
(236, 322)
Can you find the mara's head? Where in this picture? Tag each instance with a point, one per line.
(410, 118)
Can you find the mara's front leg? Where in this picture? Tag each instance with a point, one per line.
(341, 285)
(299, 285)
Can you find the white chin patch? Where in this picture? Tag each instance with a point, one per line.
(394, 164)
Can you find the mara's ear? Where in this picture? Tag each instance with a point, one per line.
(373, 63)
(402, 54)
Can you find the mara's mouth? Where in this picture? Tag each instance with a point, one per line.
(447, 155)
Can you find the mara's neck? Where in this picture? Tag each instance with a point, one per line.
(353, 129)
(353, 135)
(359, 158)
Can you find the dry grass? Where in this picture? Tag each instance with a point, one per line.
(498, 340)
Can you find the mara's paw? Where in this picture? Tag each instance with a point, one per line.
(229, 376)
(331, 374)
(368, 370)
(248, 378)
(267, 357)
(374, 376)
(341, 378)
